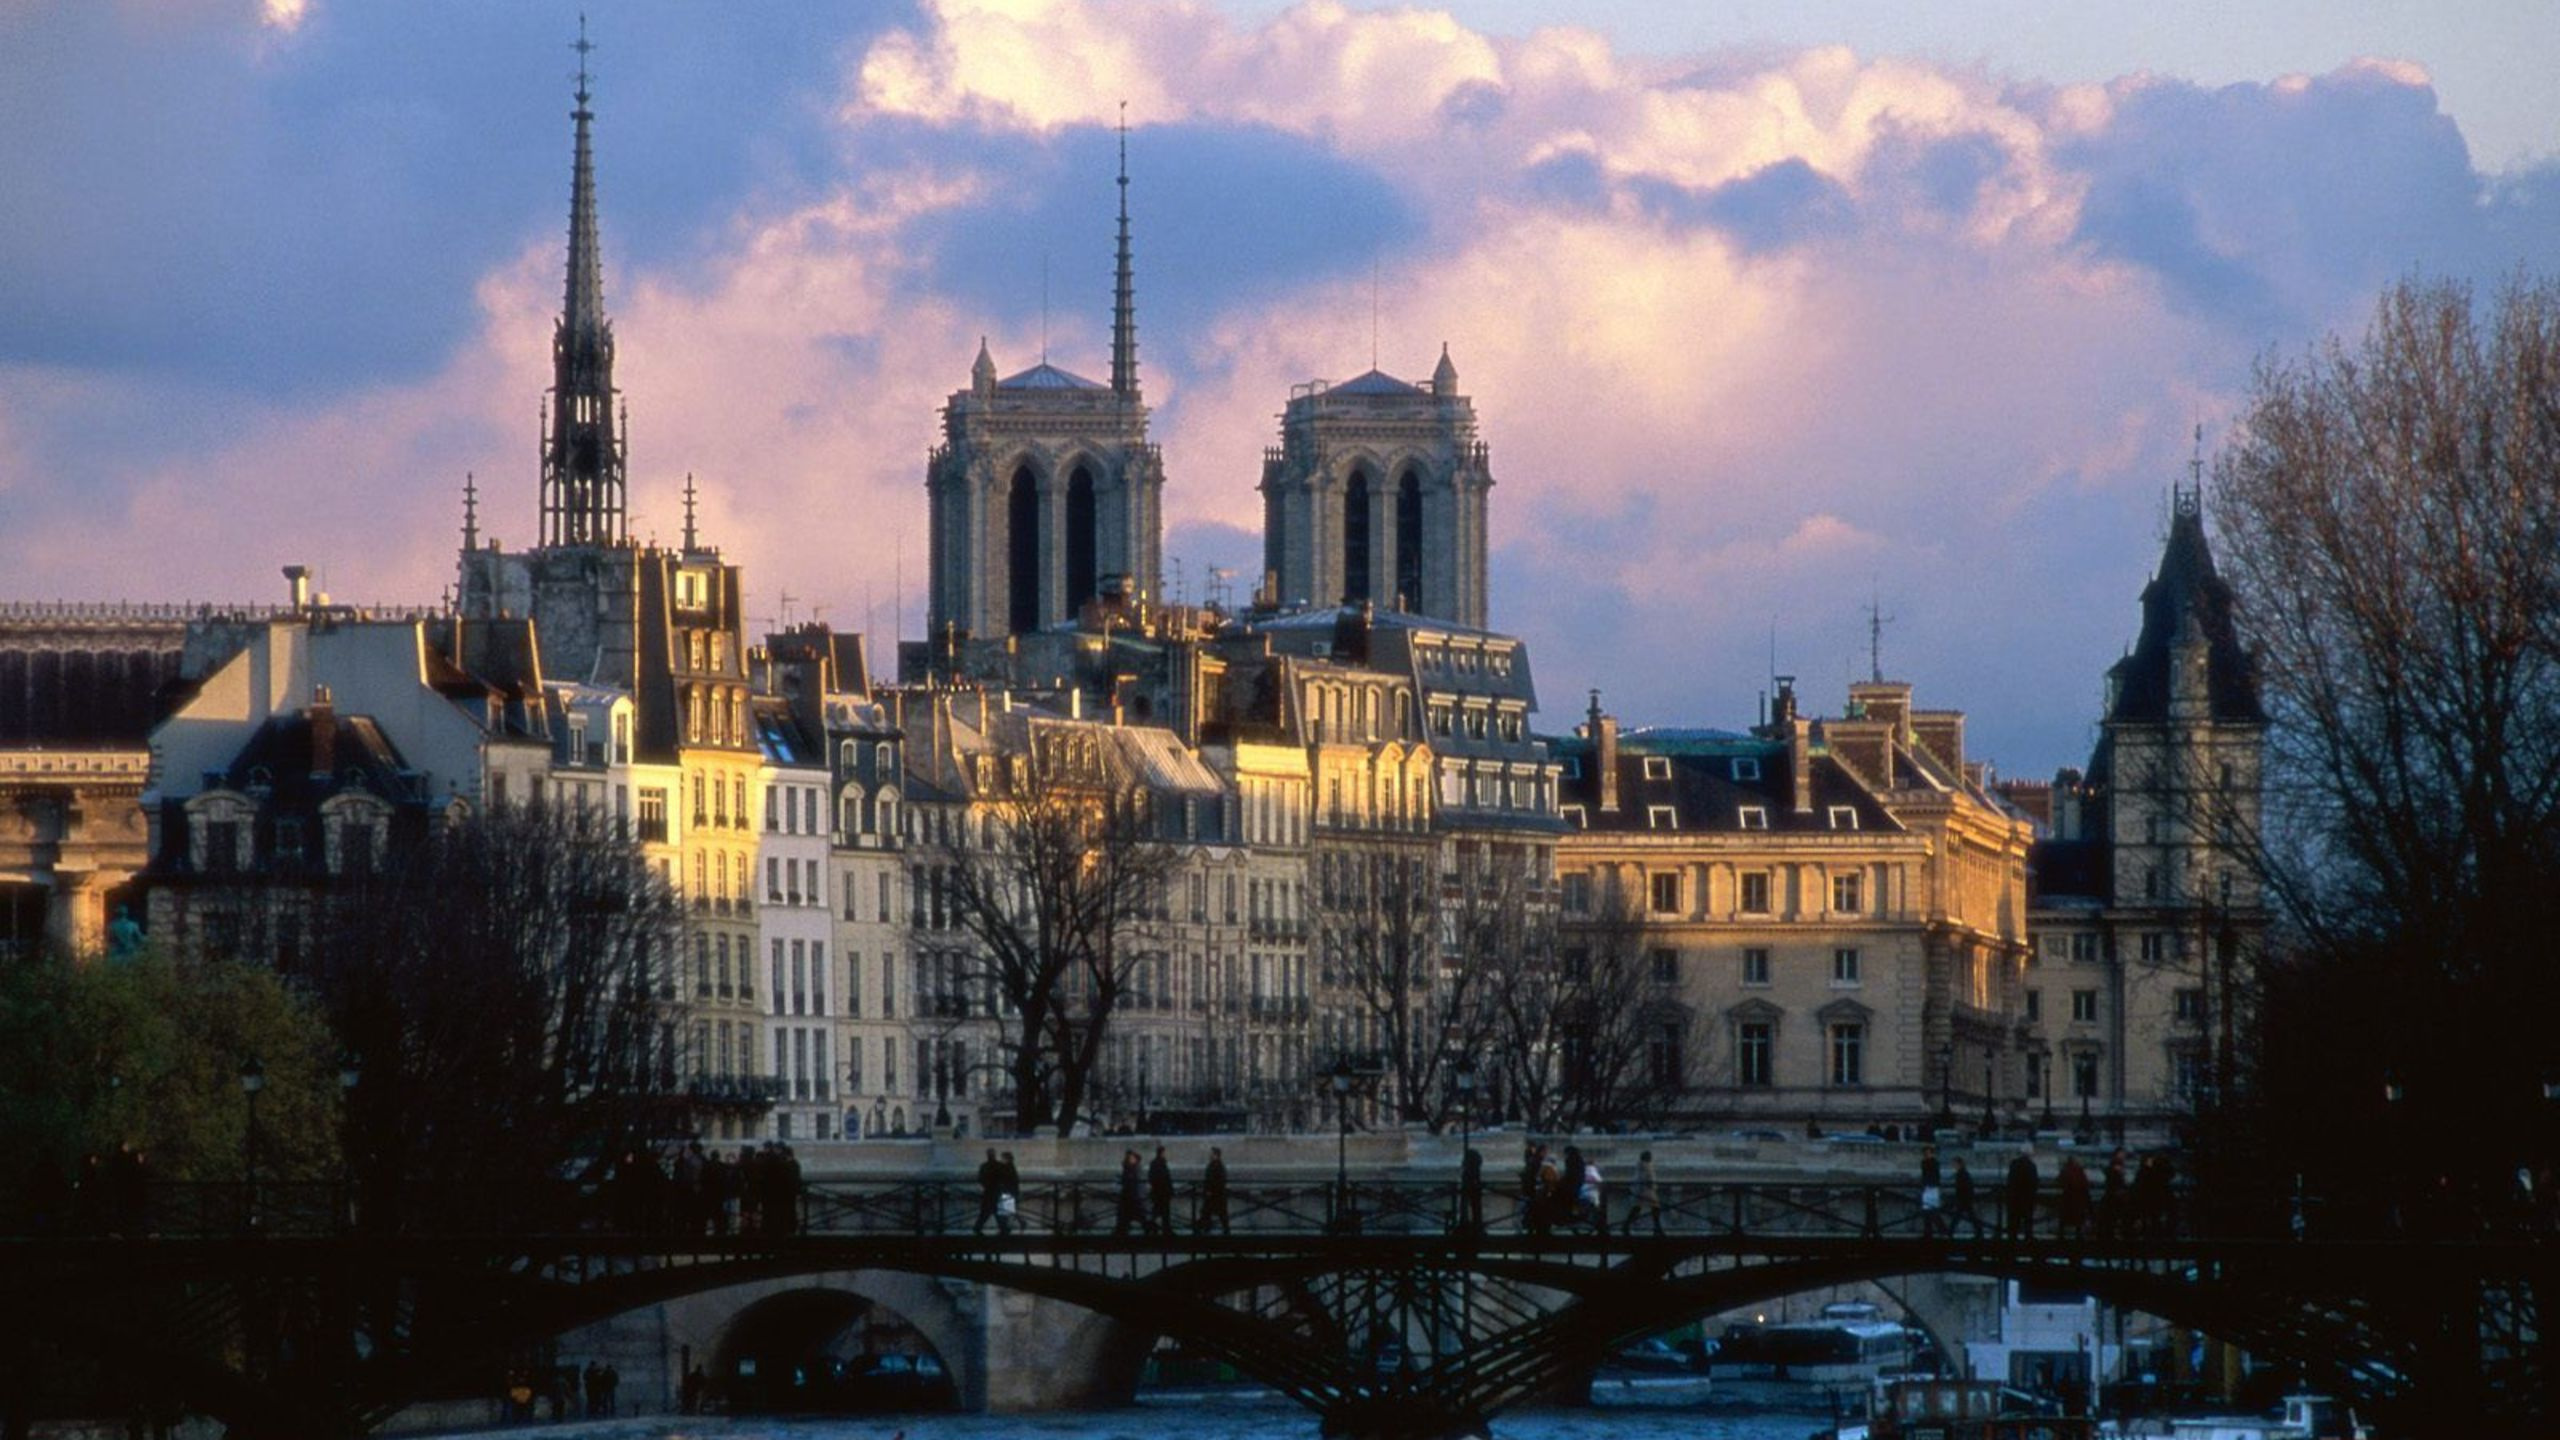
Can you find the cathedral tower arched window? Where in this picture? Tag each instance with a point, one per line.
(1409, 541)
(1022, 558)
(1083, 540)
(1355, 538)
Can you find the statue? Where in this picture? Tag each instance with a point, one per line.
(124, 935)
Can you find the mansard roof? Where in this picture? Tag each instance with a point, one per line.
(1707, 791)
(306, 756)
(2186, 591)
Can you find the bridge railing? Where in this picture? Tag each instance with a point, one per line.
(1096, 1208)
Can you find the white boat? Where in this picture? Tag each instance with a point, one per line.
(2305, 1417)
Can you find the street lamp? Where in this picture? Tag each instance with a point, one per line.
(1990, 1074)
(1946, 1084)
(253, 1078)
(350, 1075)
(1468, 1215)
(1341, 1081)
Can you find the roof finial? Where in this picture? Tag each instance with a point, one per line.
(582, 46)
(583, 500)
(690, 543)
(1876, 621)
(1124, 289)
(1044, 307)
(2190, 499)
(470, 511)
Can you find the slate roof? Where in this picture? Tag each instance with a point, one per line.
(2187, 588)
(1376, 382)
(1703, 792)
(304, 757)
(1045, 376)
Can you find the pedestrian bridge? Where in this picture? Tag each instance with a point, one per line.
(289, 1312)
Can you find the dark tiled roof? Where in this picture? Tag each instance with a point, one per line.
(305, 757)
(1704, 793)
(2186, 587)
(2079, 869)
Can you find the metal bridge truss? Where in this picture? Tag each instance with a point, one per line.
(1369, 1307)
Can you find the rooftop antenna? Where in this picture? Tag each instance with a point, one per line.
(689, 534)
(1876, 620)
(788, 600)
(470, 511)
(582, 46)
(1373, 312)
(1044, 307)
(2192, 502)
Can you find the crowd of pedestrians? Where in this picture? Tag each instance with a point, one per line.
(2139, 1203)
(703, 1193)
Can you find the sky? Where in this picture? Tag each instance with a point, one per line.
(1776, 315)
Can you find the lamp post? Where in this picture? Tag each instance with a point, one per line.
(1465, 1076)
(1142, 1087)
(253, 1078)
(1946, 1084)
(350, 1075)
(1990, 1077)
(1341, 1081)
(2392, 1095)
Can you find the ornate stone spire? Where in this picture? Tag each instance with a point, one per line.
(582, 462)
(691, 536)
(470, 511)
(1124, 294)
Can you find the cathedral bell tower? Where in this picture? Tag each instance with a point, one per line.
(1377, 495)
(1046, 492)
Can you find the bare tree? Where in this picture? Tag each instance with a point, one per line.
(508, 983)
(2391, 511)
(1588, 1038)
(1049, 886)
(1379, 916)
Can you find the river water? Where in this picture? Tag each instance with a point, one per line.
(1633, 1415)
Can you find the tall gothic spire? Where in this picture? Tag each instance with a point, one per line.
(582, 461)
(1124, 294)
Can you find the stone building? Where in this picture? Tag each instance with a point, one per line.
(1045, 492)
(1377, 494)
(1832, 913)
(2148, 910)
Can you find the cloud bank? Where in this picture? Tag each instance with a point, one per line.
(1759, 341)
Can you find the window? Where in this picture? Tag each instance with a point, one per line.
(1753, 817)
(2155, 948)
(1844, 817)
(1576, 816)
(1755, 965)
(2190, 1003)
(1848, 1054)
(1662, 1054)
(1746, 767)
(2150, 882)
(2036, 1067)
(1753, 1042)
(653, 815)
(772, 810)
(1666, 893)
(1657, 767)
(1755, 892)
(1577, 894)
(2084, 1004)
(2035, 1004)
(2084, 949)
(2084, 1076)
(1844, 966)
(1848, 892)
(1662, 817)
(1666, 966)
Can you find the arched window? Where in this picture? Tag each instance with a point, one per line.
(1409, 542)
(1022, 552)
(1084, 540)
(1355, 538)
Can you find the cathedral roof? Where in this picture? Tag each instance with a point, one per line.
(1376, 382)
(1045, 376)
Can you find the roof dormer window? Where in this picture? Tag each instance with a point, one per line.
(1657, 767)
(1662, 817)
(1844, 817)
(1753, 817)
(1746, 767)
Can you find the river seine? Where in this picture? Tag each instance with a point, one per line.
(1216, 1417)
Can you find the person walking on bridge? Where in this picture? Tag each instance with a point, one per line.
(990, 1186)
(1213, 1195)
(1132, 1212)
(1964, 1214)
(1008, 1194)
(1160, 1195)
(2018, 1216)
(1471, 1192)
(1931, 1221)
(1648, 1199)
(2072, 1211)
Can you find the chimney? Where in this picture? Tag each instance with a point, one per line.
(1799, 753)
(299, 578)
(323, 717)
(1885, 700)
(1604, 753)
(1941, 733)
